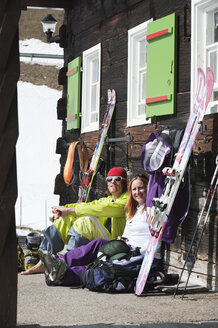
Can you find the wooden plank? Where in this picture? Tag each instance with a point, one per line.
(3, 4)
(8, 274)
(46, 3)
(9, 73)
(7, 145)
(9, 83)
(7, 203)
(9, 28)
(115, 76)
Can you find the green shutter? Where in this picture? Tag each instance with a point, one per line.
(161, 67)
(73, 94)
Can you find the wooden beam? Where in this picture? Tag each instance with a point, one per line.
(9, 74)
(46, 3)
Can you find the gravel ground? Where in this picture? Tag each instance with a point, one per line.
(43, 306)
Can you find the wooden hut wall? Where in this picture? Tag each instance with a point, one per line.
(107, 22)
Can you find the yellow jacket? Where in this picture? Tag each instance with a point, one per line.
(101, 210)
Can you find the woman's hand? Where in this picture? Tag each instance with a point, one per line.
(59, 211)
(122, 238)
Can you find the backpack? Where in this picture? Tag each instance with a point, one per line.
(108, 277)
(105, 276)
(113, 250)
(116, 270)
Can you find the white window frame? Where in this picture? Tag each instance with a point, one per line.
(89, 57)
(199, 48)
(135, 35)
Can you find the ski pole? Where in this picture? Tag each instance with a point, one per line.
(204, 225)
(197, 226)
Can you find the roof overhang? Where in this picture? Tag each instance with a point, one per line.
(46, 3)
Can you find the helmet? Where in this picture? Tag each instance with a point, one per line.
(33, 240)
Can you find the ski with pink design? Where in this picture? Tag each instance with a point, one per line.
(163, 205)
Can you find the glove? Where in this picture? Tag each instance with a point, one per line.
(155, 219)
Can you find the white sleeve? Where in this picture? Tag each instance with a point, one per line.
(143, 248)
(126, 232)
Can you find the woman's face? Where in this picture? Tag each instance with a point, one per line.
(138, 191)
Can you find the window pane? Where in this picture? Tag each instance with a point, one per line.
(142, 85)
(216, 26)
(95, 70)
(142, 53)
(214, 64)
(210, 28)
(94, 98)
(94, 117)
(141, 109)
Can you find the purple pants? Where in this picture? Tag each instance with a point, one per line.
(78, 259)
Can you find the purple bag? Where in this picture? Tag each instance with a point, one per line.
(156, 154)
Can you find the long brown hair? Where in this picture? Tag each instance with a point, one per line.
(131, 205)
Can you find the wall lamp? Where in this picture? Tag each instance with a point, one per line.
(49, 24)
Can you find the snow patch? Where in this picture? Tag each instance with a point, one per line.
(37, 162)
(35, 46)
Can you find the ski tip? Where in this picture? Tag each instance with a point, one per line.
(209, 71)
(210, 85)
(137, 295)
(201, 79)
(200, 70)
(138, 291)
(113, 96)
(210, 76)
(109, 94)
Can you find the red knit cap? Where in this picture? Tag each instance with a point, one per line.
(117, 171)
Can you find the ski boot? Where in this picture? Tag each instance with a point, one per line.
(33, 241)
(20, 258)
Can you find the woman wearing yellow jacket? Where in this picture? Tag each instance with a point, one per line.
(77, 224)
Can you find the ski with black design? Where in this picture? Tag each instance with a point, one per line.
(87, 179)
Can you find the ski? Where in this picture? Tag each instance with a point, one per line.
(163, 205)
(87, 179)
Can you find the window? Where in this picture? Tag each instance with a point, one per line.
(91, 89)
(137, 75)
(205, 45)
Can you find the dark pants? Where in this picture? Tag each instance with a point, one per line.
(78, 259)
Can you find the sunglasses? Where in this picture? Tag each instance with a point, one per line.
(116, 178)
